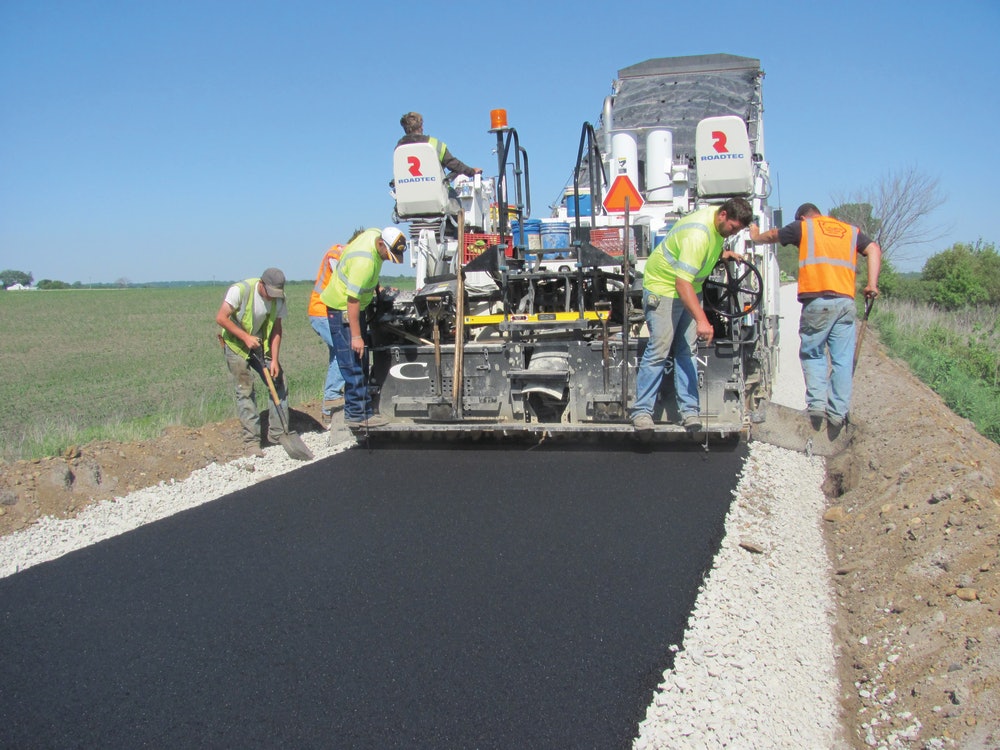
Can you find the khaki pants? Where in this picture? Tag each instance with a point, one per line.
(244, 378)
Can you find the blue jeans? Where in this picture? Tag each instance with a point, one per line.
(672, 333)
(357, 399)
(334, 386)
(827, 326)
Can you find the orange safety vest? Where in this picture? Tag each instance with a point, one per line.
(317, 308)
(828, 254)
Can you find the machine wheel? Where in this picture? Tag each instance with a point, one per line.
(739, 294)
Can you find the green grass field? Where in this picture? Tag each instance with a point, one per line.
(957, 353)
(82, 365)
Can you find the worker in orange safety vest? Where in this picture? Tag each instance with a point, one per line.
(828, 251)
(333, 389)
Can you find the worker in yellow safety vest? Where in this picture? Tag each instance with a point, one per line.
(413, 129)
(351, 290)
(671, 303)
(828, 251)
(250, 317)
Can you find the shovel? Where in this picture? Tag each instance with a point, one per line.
(290, 441)
(869, 301)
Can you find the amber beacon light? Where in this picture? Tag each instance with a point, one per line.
(498, 119)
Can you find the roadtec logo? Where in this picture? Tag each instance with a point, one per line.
(721, 152)
(414, 170)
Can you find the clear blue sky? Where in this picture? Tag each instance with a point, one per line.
(181, 140)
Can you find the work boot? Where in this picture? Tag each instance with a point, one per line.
(332, 404)
(643, 422)
(375, 420)
(691, 422)
(252, 450)
(816, 417)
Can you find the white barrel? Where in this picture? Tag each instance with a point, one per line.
(624, 150)
(659, 159)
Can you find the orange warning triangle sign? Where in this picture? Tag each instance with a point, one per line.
(622, 188)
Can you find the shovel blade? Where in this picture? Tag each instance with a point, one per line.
(792, 429)
(295, 448)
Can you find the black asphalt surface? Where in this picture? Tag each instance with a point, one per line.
(391, 598)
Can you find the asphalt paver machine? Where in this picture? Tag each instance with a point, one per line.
(526, 327)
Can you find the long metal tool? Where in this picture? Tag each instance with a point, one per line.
(626, 307)
(869, 303)
(458, 376)
(290, 441)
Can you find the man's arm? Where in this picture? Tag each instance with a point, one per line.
(225, 319)
(274, 345)
(763, 238)
(457, 165)
(354, 320)
(685, 290)
(873, 253)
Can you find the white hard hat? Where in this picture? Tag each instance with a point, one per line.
(396, 242)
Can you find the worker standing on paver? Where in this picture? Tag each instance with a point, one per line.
(250, 317)
(351, 290)
(828, 251)
(671, 303)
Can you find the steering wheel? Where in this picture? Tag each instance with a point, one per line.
(739, 294)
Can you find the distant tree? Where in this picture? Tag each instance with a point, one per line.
(964, 275)
(860, 215)
(122, 282)
(9, 277)
(52, 284)
(888, 279)
(894, 211)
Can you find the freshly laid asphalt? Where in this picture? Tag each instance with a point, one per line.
(388, 598)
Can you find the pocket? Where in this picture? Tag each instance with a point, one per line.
(816, 316)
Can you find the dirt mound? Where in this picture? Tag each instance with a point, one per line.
(913, 534)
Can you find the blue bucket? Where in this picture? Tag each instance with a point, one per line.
(555, 235)
(584, 203)
(530, 236)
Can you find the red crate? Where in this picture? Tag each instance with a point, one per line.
(609, 240)
(476, 244)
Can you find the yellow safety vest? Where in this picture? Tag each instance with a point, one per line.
(244, 315)
(689, 252)
(357, 273)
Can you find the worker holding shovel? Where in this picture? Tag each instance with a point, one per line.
(828, 254)
(250, 317)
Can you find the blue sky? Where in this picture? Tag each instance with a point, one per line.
(179, 140)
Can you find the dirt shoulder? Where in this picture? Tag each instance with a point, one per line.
(914, 539)
(912, 530)
(62, 486)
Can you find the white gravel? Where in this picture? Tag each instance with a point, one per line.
(756, 666)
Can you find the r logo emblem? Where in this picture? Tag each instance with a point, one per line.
(720, 142)
(414, 163)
